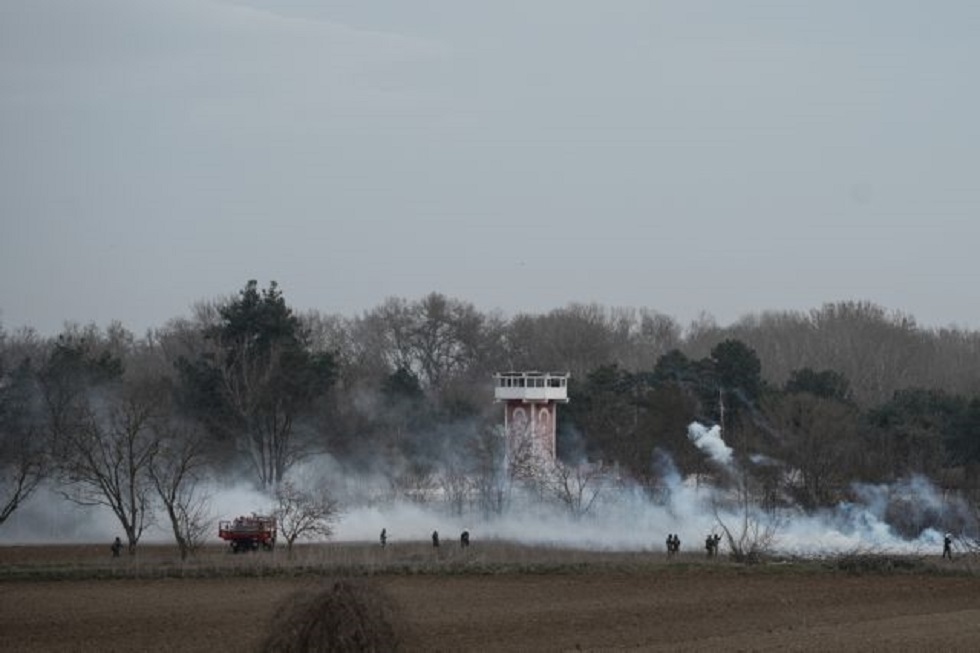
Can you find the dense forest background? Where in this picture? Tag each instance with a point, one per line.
(247, 389)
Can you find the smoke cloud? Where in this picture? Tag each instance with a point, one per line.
(906, 517)
(709, 441)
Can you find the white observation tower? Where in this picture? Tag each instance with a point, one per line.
(530, 411)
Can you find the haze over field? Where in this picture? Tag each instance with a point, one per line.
(624, 518)
(683, 156)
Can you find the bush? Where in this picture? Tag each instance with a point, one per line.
(348, 616)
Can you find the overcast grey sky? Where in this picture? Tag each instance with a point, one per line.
(719, 156)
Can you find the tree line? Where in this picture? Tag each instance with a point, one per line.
(247, 389)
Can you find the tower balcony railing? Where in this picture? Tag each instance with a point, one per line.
(530, 386)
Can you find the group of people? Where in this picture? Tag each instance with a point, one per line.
(464, 539)
(711, 543)
(673, 543)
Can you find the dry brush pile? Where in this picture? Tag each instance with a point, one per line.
(347, 615)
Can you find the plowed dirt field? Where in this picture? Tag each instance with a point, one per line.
(74, 599)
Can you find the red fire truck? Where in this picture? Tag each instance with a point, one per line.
(248, 533)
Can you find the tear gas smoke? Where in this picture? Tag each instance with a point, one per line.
(625, 516)
(709, 441)
(50, 518)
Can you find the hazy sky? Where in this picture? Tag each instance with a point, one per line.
(730, 157)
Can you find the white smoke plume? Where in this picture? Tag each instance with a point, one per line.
(710, 442)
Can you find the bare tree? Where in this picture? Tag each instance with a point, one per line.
(415, 480)
(488, 452)
(455, 483)
(265, 429)
(435, 338)
(304, 513)
(445, 335)
(336, 333)
(383, 337)
(577, 338)
(23, 439)
(576, 487)
(655, 335)
(525, 462)
(176, 472)
(750, 531)
(878, 351)
(23, 465)
(104, 460)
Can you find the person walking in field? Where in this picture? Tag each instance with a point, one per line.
(464, 539)
(948, 546)
(384, 537)
(435, 539)
(116, 547)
